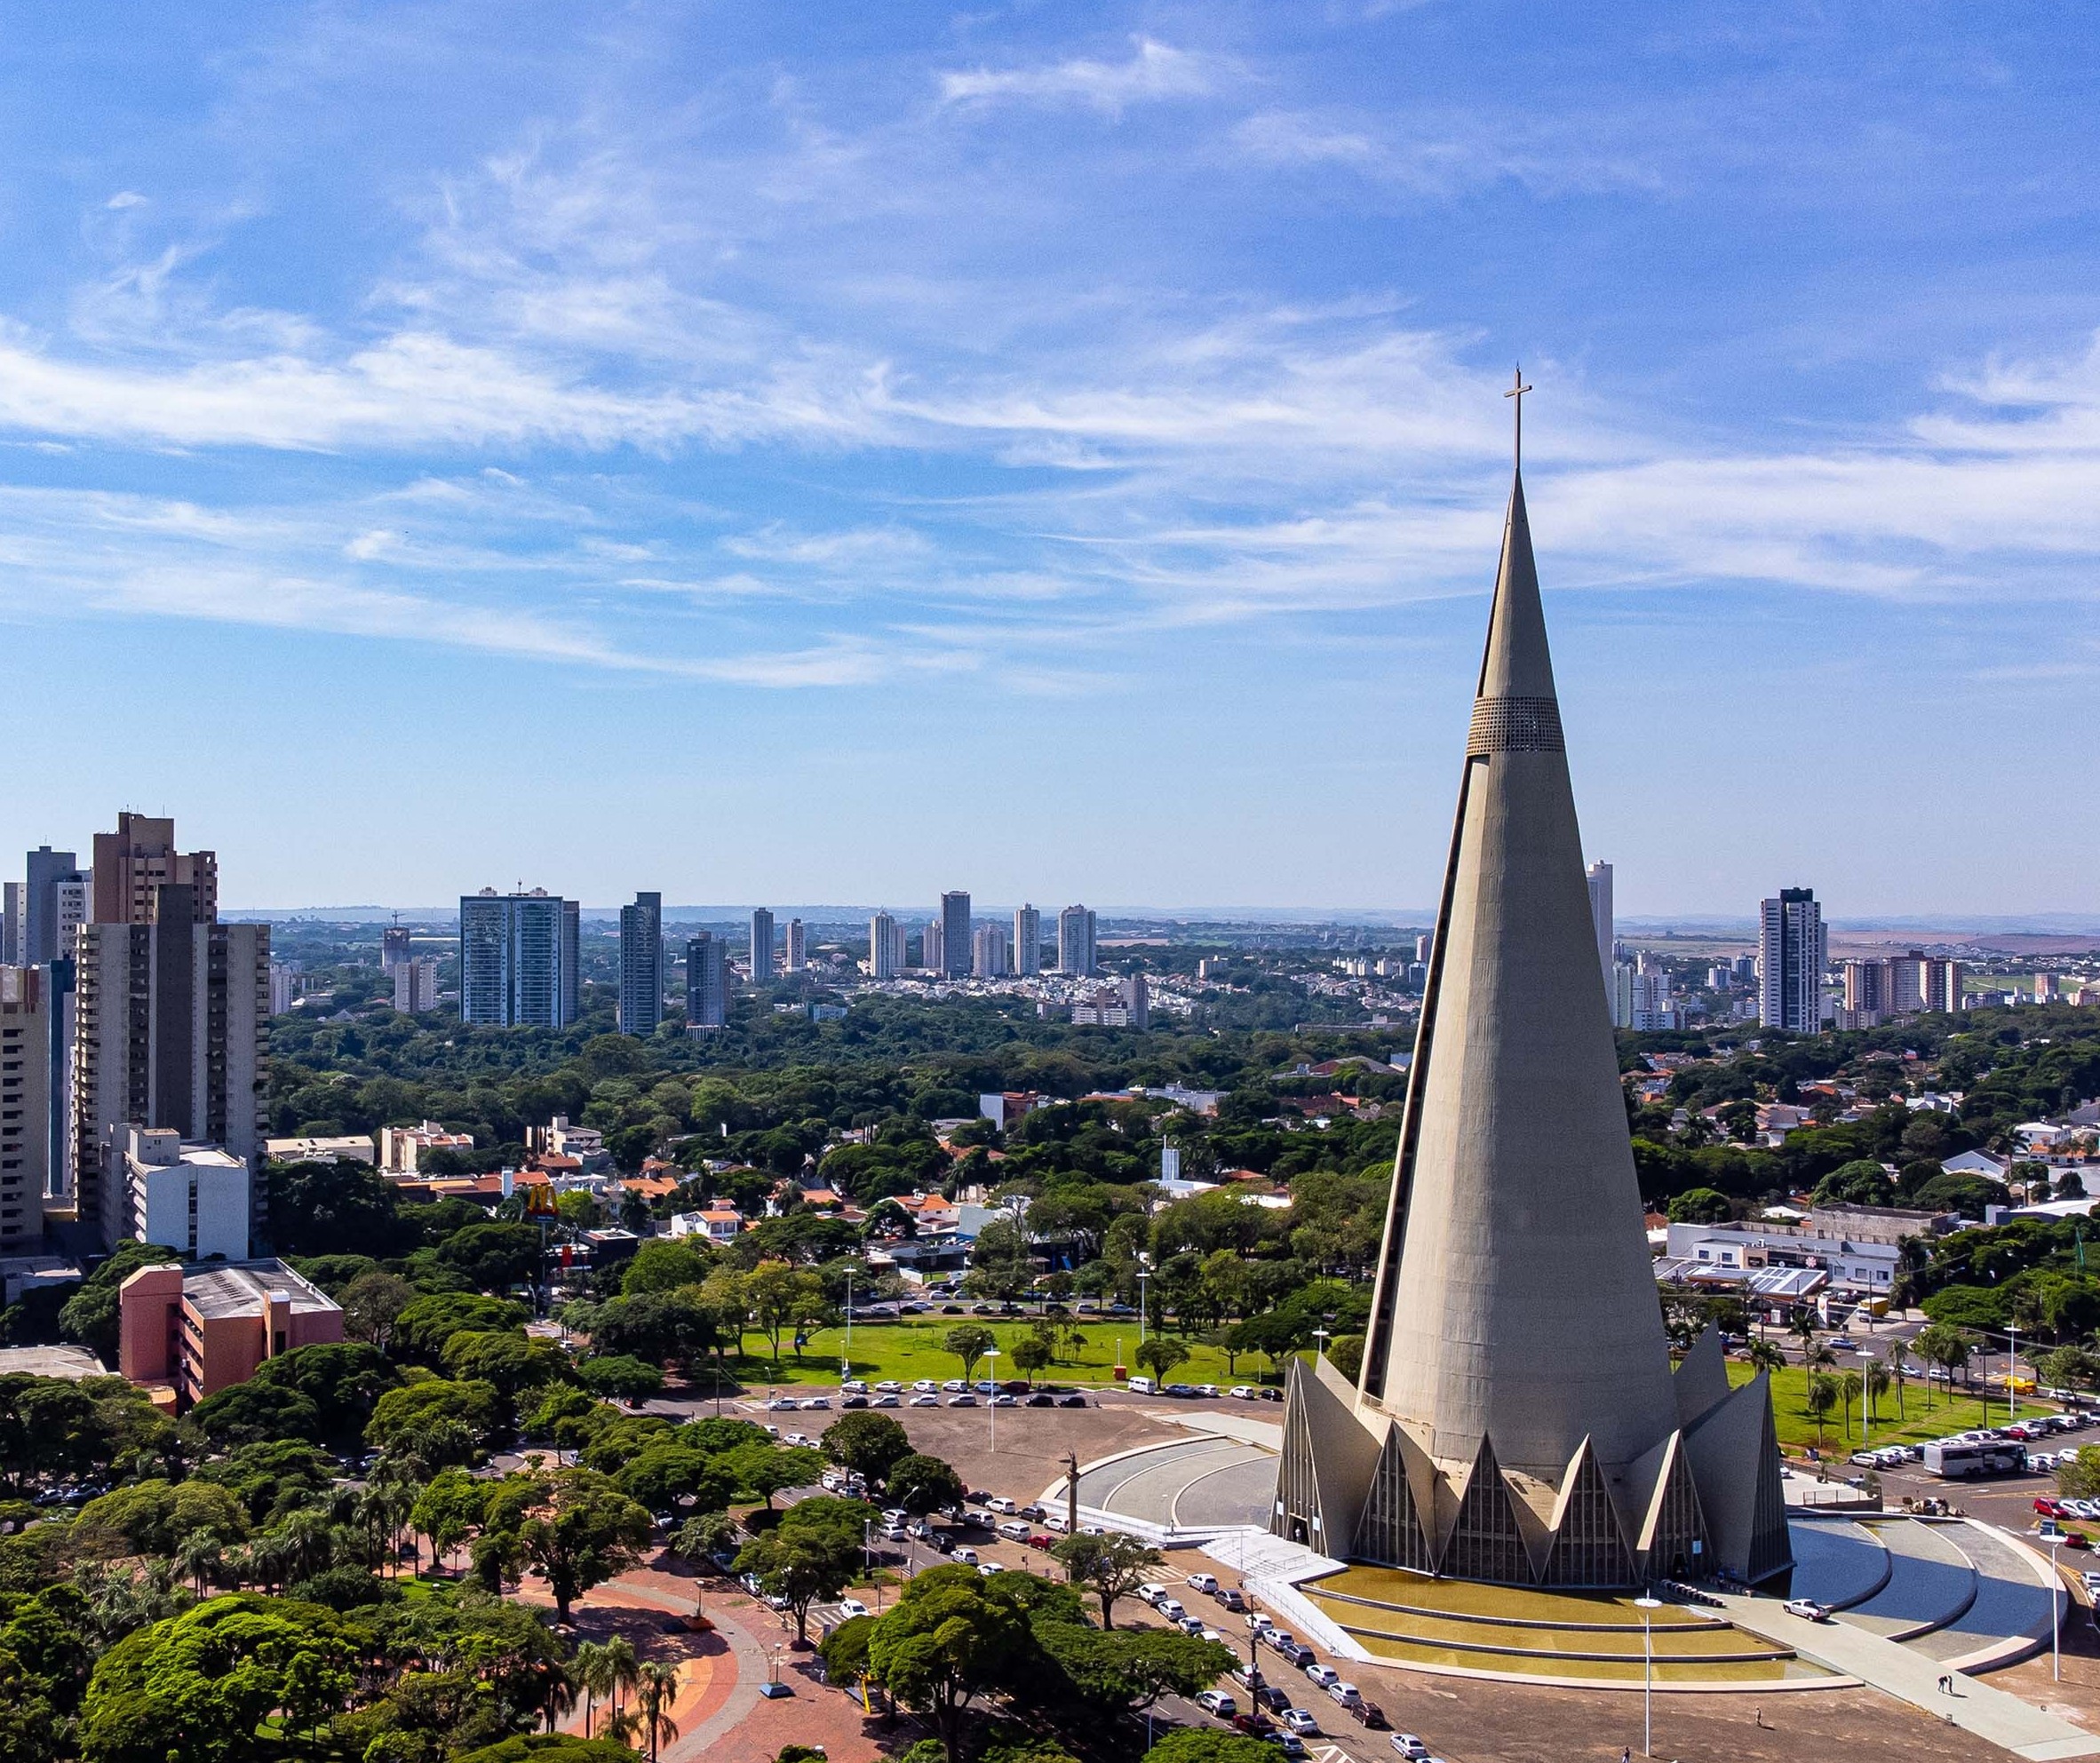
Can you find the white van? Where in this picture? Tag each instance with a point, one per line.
(1139, 1387)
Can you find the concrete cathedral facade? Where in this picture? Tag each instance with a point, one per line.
(1517, 1418)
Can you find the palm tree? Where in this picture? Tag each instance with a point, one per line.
(1802, 1326)
(623, 1670)
(1849, 1385)
(1763, 1357)
(656, 1691)
(1898, 1370)
(197, 1554)
(593, 1672)
(1877, 1383)
(1822, 1397)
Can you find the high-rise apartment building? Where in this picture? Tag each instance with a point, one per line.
(707, 985)
(518, 957)
(798, 947)
(1137, 1000)
(987, 951)
(1075, 941)
(1600, 916)
(641, 965)
(1792, 953)
(415, 985)
(1028, 941)
(1939, 985)
(955, 935)
(11, 923)
(25, 1105)
(171, 1020)
(133, 863)
(761, 947)
(395, 943)
(284, 986)
(886, 946)
(42, 908)
(931, 955)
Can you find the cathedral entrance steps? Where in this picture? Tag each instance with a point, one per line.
(1719, 1644)
(1610, 1621)
(1773, 1669)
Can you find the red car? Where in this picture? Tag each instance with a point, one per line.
(2050, 1508)
(1042, 1539)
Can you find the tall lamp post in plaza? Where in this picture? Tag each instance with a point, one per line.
(1648, 1606)
(1142, 1276)
(1320, 1339)
(1866, 1366)
(2012, 1372)
(846, 1360)
(992, 1400)
(2055, 1616)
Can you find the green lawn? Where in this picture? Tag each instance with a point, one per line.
(1929, 1411)
(907, 1351)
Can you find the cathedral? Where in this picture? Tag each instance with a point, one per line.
(1517, 1418)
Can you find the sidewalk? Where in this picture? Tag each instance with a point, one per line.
(1991, 1714)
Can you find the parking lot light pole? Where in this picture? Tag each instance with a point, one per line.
(1865, 1396)
(991, 1402)
(1648, 1606)
(2012, 1372)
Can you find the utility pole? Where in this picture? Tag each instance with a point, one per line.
(1071, 1500)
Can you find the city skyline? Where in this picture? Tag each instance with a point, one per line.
(1121, 386)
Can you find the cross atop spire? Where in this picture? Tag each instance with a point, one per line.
(1517, 389)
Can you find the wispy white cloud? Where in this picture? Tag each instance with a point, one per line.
(1441, 157)
(1153, 71)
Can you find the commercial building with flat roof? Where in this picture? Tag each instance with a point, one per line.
(195, 1331)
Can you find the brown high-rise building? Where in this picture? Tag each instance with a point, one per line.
(137, 859)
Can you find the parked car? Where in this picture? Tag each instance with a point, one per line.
(925, 1386)
(853, 1401)
(1807, 1608)
(1272, 1395)
(1369, 1713)
(1041, 1399)
(1245, 1392)
(1216, 1702)
(1302, 1721)
(1347, 1694)
(1152, 1591)
(966, 1400)
(1204, 1582)
(1326, 1676)
(852, 1607)
(926, 1401)
(1170, 1608)
(1001, 1504)
(888, 1387)
(1276, 1701)
(968, 1557)
(1407, 1745)
(1073, 1401)
(855, 1386)
(1231, 1597)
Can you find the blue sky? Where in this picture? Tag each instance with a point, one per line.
(809, 452)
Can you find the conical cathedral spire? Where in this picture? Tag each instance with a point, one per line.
(1517, 1417)
(1516, 1301)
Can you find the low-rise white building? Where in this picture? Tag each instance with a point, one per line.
(400, 1146)
(1859, 1247)
(357, 1148)
(718, 1223)
(189, 1198)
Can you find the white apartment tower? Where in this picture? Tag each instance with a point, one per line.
(761, 947)
(886, 946)
(1600, 916)
(1075, 941)
(1028, 941)
(25, 1105)
(1791, 956)
(988, 952)
(798, 947)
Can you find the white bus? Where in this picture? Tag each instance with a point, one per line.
(1962, 1460)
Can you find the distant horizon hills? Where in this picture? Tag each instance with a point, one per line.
(1938, 928)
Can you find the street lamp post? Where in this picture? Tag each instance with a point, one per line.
(992, 1400)
(1866, 1396)
(1321, 1339)
(1142, 1278)
(846, 1363)
(2055, 1617)
(2012, 1373)
(1648, 1606)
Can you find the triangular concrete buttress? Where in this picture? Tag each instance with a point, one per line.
(1701, 1381)
(1588, 1546)
(1329, 1457)
(1671, 1540)
(1486, 1542)
(1398, 1521)
(1735, 1462)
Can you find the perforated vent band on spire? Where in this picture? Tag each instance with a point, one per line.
(1515, 725)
